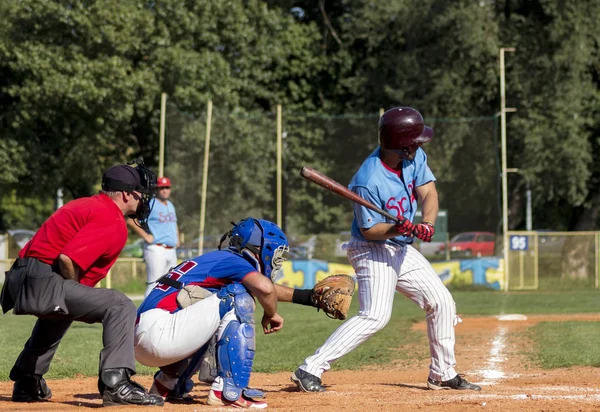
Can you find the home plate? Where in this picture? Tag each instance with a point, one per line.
(514, 316)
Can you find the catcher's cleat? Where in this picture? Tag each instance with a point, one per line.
(215, 398)
(169, 395)
(31, 388)
(455, 383)
(306, 381)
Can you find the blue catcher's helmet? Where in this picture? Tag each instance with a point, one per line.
(264, 239)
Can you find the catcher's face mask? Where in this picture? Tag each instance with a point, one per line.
(278, 259)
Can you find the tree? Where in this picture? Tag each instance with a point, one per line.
(554, 134)
(83, 80)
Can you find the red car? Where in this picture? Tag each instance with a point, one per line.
(469, 244)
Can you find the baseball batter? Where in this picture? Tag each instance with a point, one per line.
(212, 295)
(394, 177)
(160, 253)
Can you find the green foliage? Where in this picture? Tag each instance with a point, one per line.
(23, 212)
(83, 95)
(554, 84)
(80, 86)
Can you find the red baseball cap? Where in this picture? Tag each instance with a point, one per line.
(163, 182)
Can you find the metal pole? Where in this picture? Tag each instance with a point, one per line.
(528, 215)
(205, 176)
(381, 112)
(59, 198)
(161, 146)
(279, 174)
(596, 268)
(504, 168)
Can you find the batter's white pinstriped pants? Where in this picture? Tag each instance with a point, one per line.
(382, 269)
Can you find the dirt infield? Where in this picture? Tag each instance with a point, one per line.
(488, 351)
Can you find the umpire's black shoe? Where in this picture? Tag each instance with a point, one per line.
(116, 389)
(306, 381)
(31, 388)
(455, 383)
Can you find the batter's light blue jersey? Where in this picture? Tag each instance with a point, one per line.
(391, 190)
(163, 223)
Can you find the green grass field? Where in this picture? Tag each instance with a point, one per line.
(560, 344)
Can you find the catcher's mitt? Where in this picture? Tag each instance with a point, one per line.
(334, 295)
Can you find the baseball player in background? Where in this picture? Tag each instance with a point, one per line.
(394, 177)
(160, 245)
(208, 302)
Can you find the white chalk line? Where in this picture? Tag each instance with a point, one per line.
(531, 396)
(493, 373)
(493, 369)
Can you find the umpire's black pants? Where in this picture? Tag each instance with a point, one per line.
(33, 287)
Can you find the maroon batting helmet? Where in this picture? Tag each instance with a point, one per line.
(402, 127)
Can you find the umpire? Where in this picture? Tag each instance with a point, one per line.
(54, 276)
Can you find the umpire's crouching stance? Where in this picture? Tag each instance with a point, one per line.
(54, 279)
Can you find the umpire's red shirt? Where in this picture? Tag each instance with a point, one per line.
(91, 231)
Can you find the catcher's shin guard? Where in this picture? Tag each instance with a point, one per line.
(235, 349)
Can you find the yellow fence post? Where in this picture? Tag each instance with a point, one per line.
(161, 143)
(279, 171)
(209, 107)
(596, 257)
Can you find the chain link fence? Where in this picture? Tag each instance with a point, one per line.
(243, 165)
(463, 155)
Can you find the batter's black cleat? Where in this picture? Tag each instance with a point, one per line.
(306, 381)
(116, 390)
(455, 383)
(31, 388)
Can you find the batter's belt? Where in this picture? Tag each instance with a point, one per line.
(165, 246)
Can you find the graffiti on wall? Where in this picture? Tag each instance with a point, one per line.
(303, 274)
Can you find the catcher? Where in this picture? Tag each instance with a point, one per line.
(200, 316)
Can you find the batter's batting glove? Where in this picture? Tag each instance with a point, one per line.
(424, 231)
(404, 227)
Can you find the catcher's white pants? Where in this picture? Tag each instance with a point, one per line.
(163, 338)
(159, 261)
(382, 269)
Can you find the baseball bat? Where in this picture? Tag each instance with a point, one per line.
(330, 184)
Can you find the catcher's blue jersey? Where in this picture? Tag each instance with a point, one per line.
(391, 190)
(211, 271)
